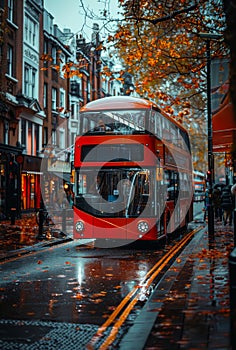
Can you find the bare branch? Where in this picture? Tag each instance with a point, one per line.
(173, 15)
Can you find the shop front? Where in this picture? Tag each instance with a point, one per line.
(224, 129)
(30, 183)
(56, 184)
(224, 137)
(10, 181)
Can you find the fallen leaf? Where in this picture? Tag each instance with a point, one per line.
(78, 296)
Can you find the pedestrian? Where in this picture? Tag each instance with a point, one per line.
(216, 201)
(227, 204)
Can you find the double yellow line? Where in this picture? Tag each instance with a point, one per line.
(135, 294)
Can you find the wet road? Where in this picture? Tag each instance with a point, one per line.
(72, 283)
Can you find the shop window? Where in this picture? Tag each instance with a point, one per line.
(30, 191)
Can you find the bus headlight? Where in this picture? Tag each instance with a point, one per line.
(79, 226)
(143, 226)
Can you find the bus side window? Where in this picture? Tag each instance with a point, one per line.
(84, 126)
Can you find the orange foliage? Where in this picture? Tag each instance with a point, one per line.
(159, 45)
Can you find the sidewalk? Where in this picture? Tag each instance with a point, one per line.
(24, 236)
(190, 306)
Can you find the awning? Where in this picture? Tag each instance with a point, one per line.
(224, 129)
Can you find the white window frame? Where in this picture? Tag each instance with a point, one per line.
(45, 95)
(10, 10)
(54, 99)
(30, 80)
(73, 110)
(10, 60)
(62, 98)
(31, 32)
(72, 137)
(62, 141)
(62, 63)
(54, 55)
(33, 85)
(26, 28)
(26, 79)
(54, 137)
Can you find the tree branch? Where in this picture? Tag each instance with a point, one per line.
(172, 15)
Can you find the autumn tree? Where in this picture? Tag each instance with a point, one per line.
(159, 44)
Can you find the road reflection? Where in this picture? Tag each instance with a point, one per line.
(76, 285)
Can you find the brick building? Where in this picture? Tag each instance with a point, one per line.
(39, 101)
(22, 115)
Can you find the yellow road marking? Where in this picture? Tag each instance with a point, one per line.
(154, 271)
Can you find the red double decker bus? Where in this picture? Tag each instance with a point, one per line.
(133, 172)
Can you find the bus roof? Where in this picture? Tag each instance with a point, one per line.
(125, 102)
(118, 102)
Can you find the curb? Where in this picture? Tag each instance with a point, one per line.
(27, 250)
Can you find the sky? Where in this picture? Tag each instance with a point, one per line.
(69, 14)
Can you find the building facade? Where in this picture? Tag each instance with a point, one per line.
(39, 101)
(22, 116)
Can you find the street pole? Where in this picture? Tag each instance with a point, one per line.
(233, 191)
(208, 37)
(211, 233)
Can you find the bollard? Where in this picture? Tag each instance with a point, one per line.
(64, 220)
(232, 284)
(41, 219)
(13, 216)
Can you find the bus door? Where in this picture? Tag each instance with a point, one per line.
(175, 217)
(160, 189)
(138, 198)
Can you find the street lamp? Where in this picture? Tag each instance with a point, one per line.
(210, 172)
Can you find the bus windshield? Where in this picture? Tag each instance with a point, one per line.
(122, 192)
(120, 122)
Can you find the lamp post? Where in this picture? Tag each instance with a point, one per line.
(210, 172)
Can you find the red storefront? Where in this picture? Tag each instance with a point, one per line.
(30, 183)
(224, 136)
(224, 128)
